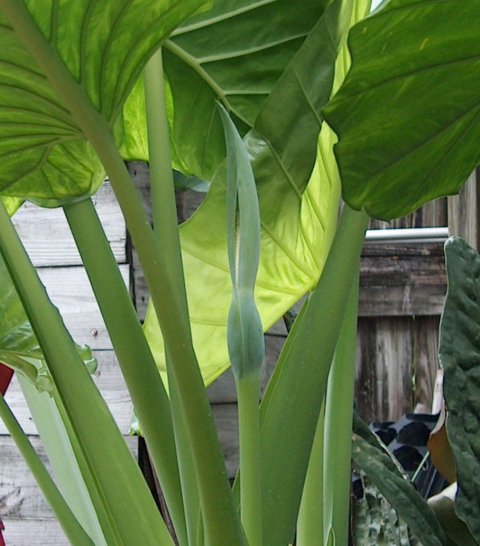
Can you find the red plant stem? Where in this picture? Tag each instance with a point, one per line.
(6, 375)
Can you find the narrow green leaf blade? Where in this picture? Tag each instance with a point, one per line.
(62, 459)
(407, 114)
(459, 357)
(399, 492)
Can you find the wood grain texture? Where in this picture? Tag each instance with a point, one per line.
(70, 290)
(425, 362)
(226, 419)
(402, 279)
(47, 238)
(33, 532)
(19, 495)
(384, 387)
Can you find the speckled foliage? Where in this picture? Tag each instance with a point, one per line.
(460, 358)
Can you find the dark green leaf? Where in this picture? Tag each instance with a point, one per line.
(399, 492)
(407, 115)
(374, 521)
(235, 54)
(460, 359)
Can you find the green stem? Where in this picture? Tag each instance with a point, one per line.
(66, 462)
(73, 530)
(248, 396)
(188, 477)
(166, 231)
(310, 517)
(109, 460)
(295, 392)
(161, 174)
(134, 356)
(338, 420)
(221, 520)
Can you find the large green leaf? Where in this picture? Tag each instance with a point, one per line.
(460, 357)
(234, 53)
(104, 45)
(407, 114)
(298, 206)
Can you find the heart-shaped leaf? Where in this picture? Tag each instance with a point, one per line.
(407, 114)
(234, 53)
(104, 45)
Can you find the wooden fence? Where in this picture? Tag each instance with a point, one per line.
(402, 290)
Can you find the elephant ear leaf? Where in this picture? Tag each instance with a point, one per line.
(104, 45)
(234, 53)
(460, 358)
(407, 115)
(298, 189)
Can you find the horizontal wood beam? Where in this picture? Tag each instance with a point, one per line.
(402, 279)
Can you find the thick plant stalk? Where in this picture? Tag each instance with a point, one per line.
(310, 515)
(165, 221)
(221, 522)
(134, 356)
(338, 421)
(68, 465)
(248, 396)
(116, 475)
(246, 345)
(73, 530)
(296, 390)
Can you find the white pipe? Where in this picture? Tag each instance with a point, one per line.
(408, 235)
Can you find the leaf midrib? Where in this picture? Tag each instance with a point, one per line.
(220, 18)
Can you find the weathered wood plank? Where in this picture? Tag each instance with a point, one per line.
(47, 238)
(425, 364)
(20, 496)
(108, 379)
(33, 532)
(70, 290)
(402, 279)
(384, 386)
